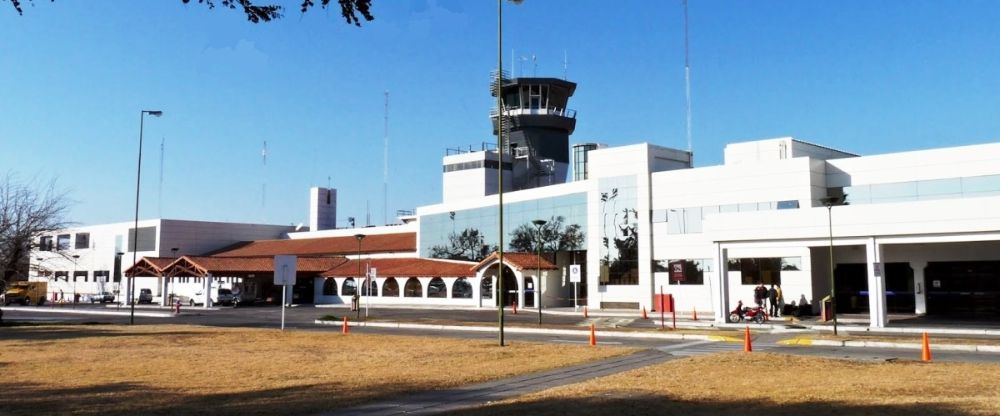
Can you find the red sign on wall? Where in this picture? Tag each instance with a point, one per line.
(677, 271)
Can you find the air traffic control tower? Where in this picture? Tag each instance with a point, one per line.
(537, 124)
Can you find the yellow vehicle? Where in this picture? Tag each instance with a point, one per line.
(25, 293)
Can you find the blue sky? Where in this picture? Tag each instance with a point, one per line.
(863, 76)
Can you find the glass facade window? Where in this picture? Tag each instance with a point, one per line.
(102, 276)
(472, 234)
(462, 289)
(413, 288)
(619, 221)
(684, 271)
(62, 242)
(960, 187)
(45, 243)
(390, 288)
(330, 287)
(689, 220)
(437, 289)
(82, 241)
(766, 270)
(350, 287)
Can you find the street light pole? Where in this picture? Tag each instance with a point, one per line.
(829, 202)
(135, 230)
(75, 258)
(357, 287)
(538, 270)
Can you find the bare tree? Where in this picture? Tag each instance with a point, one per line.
(256, 13)
(26, 214)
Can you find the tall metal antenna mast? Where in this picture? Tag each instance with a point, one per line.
(263, 181)
(565, 64)
(159, 198)
(385, 163)
(687, 77)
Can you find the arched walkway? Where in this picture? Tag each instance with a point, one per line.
(413, 288)
(462, 289)
(390, 288)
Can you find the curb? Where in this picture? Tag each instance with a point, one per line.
(521, 330)
(94, 312)
(883, 344)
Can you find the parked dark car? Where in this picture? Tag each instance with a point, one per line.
(103, 297)
(145, 296)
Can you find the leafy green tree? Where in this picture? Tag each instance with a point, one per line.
(256, 13)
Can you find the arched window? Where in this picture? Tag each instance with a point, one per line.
(350, 287)
(330, 287)
(461, 289)
(413, 288)
(437, 289)
(486, 288)
(372, 289)
(390, 288)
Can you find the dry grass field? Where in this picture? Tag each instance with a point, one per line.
(773, 385)
(179, 370)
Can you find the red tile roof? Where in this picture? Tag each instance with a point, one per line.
(377, 243)
(404, 267)
(519, 261)
(229, 266)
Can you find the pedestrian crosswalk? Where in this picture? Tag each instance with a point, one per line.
(689, 349)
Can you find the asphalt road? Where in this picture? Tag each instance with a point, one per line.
(303, 318)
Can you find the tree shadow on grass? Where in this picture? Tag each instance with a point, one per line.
(17, 399)
(66, 332)
(642, 403)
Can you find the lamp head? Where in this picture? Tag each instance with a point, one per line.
(359, 236)
(156, 113)
(539, 222)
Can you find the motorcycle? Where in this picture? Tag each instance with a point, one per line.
(742, 313)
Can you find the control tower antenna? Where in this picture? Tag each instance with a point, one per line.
(263, 181)
(687, 77)
(385, 163)
(565, 64)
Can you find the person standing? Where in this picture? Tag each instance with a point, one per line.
(759, 294)
(772, 301)
(781, 301)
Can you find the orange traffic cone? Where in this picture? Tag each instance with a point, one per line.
(515, 307)
(584, 311)
(925, 355)
(593, 336)
(694, 314)
(747, 345)
(346, 329)
(644, 313)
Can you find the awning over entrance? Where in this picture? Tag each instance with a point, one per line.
(149, 266)
(517, 261)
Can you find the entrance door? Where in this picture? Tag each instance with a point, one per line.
(851, 280)
(509, 287)
(969, 289)
(529, 292)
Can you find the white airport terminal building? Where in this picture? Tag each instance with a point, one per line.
(914, 232)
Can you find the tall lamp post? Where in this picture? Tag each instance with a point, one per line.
(538, 270)
(500, 154)
(356, 287)
(135, 230)
(829, 202)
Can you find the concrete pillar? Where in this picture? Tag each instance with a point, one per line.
(207, 300)
(520, 289)
(165, 290)
(876, 284)
(477, 289)
(919, 290)
(719, 284)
